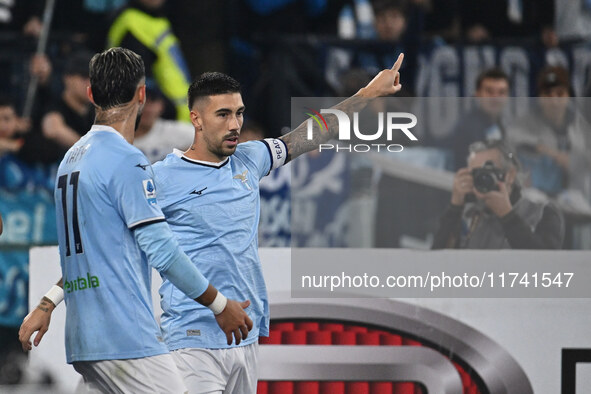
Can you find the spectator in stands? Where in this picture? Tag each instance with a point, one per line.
(66, 118)
(12, 173)
(15, 175)
(484, 121)
(396, 24)
(553, 140)
(157, 137)
(143, 27)
(496, 215)
(10, 141)
(69, 18)
(390, 19)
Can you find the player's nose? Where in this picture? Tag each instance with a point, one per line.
(235, 124)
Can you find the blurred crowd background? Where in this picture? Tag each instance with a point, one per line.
(525, 66)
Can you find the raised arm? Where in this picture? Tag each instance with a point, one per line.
(386, 83)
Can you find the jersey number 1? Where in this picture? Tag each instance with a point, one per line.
(62, 183)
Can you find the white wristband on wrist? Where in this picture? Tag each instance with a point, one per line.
(219, 303)
(55, 295)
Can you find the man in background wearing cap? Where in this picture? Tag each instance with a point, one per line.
(553, 140)
(65, 116)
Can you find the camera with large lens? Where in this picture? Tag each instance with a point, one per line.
(486, 177)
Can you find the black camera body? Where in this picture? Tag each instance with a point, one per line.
(486, 177)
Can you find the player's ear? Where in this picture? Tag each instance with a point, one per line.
(89, 95)
(196, 118)
(141, 92)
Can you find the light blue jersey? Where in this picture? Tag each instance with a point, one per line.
(104, 190)
(213, 210)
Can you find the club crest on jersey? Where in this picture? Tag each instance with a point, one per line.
(149, 191)
(243, 178)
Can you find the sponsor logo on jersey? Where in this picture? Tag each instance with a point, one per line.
(193, 333)
(142, 166)
(198, 192)
(149, 191)
(81, 283)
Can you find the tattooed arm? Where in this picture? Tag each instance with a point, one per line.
(37, 320)
(386, 83)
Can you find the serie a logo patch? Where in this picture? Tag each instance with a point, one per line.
(149, 191)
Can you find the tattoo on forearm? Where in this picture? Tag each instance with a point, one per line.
(297, 140)
(45, 304)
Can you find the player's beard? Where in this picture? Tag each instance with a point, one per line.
(218, 149)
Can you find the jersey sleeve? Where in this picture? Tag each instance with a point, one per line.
(267, 154)
(133, 192)
(160, 180)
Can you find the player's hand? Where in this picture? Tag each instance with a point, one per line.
(37, 320)
(234, 321)
(463, 184)
(386, 83)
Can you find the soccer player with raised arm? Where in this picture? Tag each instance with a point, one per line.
(210, 197)
(109, 223)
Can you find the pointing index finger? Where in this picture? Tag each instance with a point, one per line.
(398, 62)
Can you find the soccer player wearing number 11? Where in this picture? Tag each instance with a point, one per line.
(108, 223)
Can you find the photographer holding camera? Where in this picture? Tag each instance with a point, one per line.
(488, 211)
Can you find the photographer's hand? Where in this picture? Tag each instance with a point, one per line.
(497, 200)
(463, 184)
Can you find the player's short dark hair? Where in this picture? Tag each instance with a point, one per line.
(114, 76)
(491, 73)
(212, 84)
